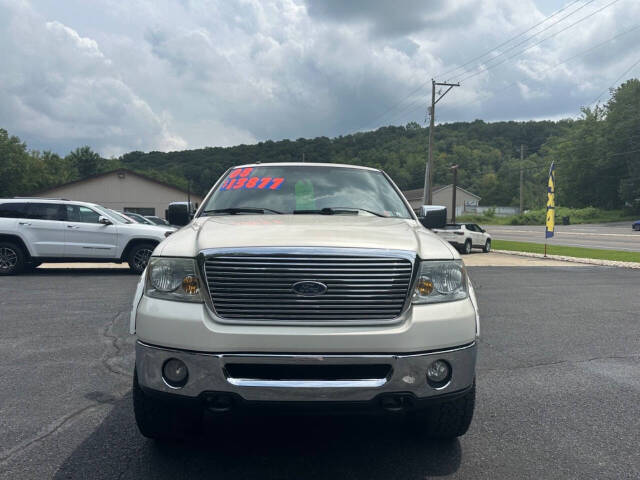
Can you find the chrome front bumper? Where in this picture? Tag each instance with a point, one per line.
(207, 373)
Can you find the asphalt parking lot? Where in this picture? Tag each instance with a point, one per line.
(558, 389)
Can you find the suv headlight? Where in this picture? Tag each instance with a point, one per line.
(173, 279)
(441, 281)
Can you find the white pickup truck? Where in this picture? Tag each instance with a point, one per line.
(303, 285)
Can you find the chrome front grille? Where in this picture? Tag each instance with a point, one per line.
(371, 285)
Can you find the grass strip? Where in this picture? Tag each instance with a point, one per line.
(579, 252)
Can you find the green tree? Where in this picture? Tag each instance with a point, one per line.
(86, 161)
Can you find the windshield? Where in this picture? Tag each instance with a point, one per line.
(306, 189)
(111, 214)
(138, 218)
(158, 220)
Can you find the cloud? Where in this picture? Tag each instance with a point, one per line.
(59, 87)
(147, 75)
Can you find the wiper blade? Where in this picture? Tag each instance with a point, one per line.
(236, 210)
(324, 211)
(338, 210)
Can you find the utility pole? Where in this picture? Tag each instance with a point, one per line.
(303, 157)
(453, 195)
(521, 178)
(427, 197)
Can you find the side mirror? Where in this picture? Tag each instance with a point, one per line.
(433, 216)
(178, 214)
(104, 220)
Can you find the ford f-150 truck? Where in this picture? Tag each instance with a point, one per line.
(304, 285)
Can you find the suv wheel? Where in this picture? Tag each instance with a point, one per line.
(467, 247)
(160, 419)
(139, 257)
(487, 247)
(11, 258)
(449, 419)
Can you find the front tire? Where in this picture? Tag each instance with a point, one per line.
(466, 249)
(160, 420)
(449, 419)
(487, 246)
(139, 257)
(11, 259)
(636, 227)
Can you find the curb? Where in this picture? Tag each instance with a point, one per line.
(588, 261)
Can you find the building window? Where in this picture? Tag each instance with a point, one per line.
(141, 211)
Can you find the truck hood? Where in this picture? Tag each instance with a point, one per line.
(346, 231)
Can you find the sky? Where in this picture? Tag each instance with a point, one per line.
(170, 75)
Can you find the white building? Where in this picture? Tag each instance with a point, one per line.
(443, 196)
(123, 190)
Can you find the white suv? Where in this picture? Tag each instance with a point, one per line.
(465, 236)
(37, 230)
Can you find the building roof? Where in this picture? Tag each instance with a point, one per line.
(116, 171)
(417, 193)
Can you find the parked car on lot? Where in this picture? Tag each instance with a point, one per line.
(156, 220)
(304, 285)
(37, 230)
(465, 236)
(636, 225)
(136, 217)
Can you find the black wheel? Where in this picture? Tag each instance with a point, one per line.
(636, 227)
(467, 247)
(139, 257)
(161, 420)
(450, 419)
(11, 258)
(487, 247)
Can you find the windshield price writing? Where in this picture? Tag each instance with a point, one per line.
(239, 178)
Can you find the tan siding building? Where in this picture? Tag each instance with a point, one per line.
(443, 196)
(123, 190)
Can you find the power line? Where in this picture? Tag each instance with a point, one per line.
(512, 47)
(421, 86)
(507, 41)
(585, 52)
(485, 69)
(617, 80)
(413, 105)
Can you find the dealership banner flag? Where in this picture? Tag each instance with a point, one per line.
(551, 202)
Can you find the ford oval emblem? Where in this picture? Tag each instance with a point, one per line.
(309, 288)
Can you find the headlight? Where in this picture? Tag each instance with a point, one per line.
(441, 281)
(173, 279)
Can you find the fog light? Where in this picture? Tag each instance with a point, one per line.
(175, 373)
(438, 372)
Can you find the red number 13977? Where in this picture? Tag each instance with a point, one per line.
(261, 183)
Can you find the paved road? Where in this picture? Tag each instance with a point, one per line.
(558, 389)
(612, 236)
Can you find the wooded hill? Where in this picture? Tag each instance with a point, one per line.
(597, 157)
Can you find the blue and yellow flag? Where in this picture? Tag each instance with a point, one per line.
(551, 201)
